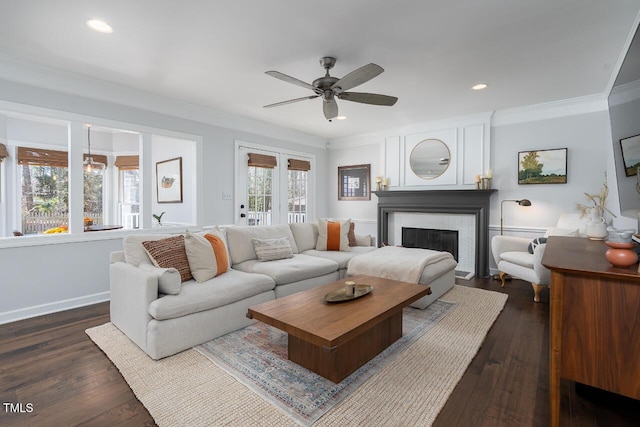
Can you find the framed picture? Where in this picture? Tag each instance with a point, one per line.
(542, 166)
(169, 180)
(631, 154)
(354, 182)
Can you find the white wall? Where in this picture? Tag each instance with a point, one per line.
(587, 139)
(583, 130)
(41, 279)
(164, 148)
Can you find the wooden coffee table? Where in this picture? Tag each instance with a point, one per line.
(335, 339)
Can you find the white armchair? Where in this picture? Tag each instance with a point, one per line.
(512, 256)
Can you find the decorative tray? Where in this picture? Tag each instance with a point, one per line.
(341, 296)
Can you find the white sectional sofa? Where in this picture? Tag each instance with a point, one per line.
(193, 313)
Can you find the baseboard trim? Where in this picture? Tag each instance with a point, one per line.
(53, 307)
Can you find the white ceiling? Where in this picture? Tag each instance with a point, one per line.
(214, 53)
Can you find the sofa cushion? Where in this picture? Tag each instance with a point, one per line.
(284, 271)
(342, 258)
(169, 253)
(222, 290)
(333, 235)
(272, 249)
(524, 259)
(134, 252)
(305, 234)
(207, 256)
(169, 279)
(241, 246)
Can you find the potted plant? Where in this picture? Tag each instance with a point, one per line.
(158, 218)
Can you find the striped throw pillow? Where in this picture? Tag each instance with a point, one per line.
(333, 235)
(169, 253)
(272, 249)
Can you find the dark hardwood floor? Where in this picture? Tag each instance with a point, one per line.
(51, 374)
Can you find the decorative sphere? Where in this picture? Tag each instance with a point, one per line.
(621, 258)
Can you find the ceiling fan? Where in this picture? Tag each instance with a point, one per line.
(330, 88)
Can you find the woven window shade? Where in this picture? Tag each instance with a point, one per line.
(99, 158)
(262, 161)
(54, 158)
(3, 152)
(127, 162)
(299, 165)
(40, 157)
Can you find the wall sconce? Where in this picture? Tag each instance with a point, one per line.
(523, 202)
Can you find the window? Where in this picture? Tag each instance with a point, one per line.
(129, 191)
(260, 188)
(44, 186)
(298, 175)
(93, 196)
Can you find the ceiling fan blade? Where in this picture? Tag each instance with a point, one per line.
(330, 108)
(289, 79)
(368, 98)
(291, 101)
(357, 77)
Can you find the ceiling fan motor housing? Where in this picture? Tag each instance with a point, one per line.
(327, 62)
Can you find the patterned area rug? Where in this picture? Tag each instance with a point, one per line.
(257, 357)
(188, 390)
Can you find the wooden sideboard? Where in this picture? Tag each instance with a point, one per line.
(594, 320)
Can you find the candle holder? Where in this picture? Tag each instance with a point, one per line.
(478, 185)
(486, 183)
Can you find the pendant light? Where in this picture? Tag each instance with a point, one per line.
(89, 164)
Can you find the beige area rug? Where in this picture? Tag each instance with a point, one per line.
(188, 389)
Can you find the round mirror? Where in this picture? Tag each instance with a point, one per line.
(430, 158)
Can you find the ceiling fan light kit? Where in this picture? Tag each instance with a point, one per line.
(330, 88)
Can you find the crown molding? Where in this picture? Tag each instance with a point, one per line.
(38, 75)
(379, 136)
(551, 110)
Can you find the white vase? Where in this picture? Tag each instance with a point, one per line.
(596, 227)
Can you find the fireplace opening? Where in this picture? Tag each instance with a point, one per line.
(427, 238)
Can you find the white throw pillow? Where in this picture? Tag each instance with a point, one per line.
(272, 249)
(363, 240)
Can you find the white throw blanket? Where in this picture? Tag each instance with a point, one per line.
(396, 263)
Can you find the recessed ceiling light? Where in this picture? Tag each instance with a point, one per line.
(99, 26)
(341, 117)
(480, 86)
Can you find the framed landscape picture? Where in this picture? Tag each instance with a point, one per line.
(631, 154)
(354, 182)
(542, 166)
(169, 180)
